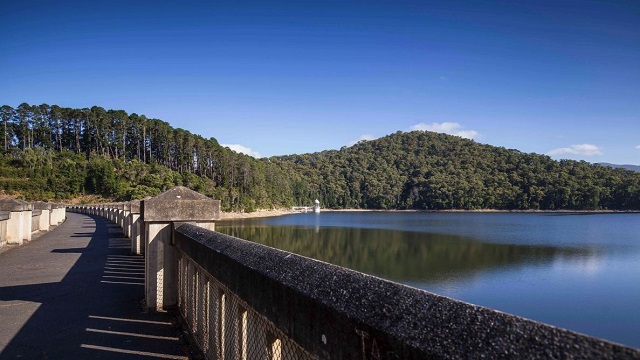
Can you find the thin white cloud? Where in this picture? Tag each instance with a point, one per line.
(580, 149)
(243, 149)
(638, 147)
(451, 128)
(364, 137)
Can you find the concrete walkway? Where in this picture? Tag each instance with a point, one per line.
(76, 293)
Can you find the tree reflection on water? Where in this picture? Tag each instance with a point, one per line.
(401, 256)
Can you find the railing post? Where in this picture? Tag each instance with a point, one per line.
(36, 214)
(126, 220)
(120, 215)
(5, 216)
(112, 213)
(178, 204)
(137, 246)
(53, 214)
(57, 214)
(44, 219)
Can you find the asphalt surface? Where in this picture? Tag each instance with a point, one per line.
(76, 292)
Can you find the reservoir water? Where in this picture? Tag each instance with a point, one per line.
(576, 271)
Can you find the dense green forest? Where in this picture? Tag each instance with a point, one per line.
(425, 170)
(56, 153)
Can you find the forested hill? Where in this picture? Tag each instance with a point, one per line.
(635, 168)
(56, 153)
(425, 170)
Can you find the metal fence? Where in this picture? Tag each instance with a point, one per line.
(223, 325)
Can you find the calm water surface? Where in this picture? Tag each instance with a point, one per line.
(580, 272)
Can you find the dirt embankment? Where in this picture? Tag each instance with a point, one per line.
(255, 214)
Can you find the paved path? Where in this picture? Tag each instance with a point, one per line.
(76, 293)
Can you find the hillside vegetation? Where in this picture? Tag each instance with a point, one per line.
(55, 153)
(425, 170)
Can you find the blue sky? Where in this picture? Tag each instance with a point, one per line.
(552, 77)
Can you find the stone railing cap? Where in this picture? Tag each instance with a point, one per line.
(14, 205)
(41, 205)
(134, 206)
(180, 204)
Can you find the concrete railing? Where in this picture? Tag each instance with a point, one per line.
(243, 300)
(19, 220)
(149, 225)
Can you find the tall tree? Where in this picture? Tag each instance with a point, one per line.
(7, 113)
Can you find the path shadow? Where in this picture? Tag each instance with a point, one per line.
(94, 312)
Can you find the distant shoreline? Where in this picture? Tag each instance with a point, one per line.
(255, 214)
(281, 212)
(490, 211)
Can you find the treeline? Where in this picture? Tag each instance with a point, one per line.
(51, 152)
(57, 152)
(425, 170)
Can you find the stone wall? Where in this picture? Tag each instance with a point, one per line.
(19, 220)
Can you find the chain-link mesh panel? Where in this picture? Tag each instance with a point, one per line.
(223, 325)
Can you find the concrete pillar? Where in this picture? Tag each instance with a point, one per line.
(112, 213)
(178, 204)
(126, 221)
(120, 210)
(137, 245)
(4, 219)
(35, 220)
(45, 217)
(116, 215)
(27, 214)
(54, 215)
(19, 222)
(60, 213)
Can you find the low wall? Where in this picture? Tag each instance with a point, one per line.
(19, 220)
(303, 308)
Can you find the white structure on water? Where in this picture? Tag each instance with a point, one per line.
(315, 208)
